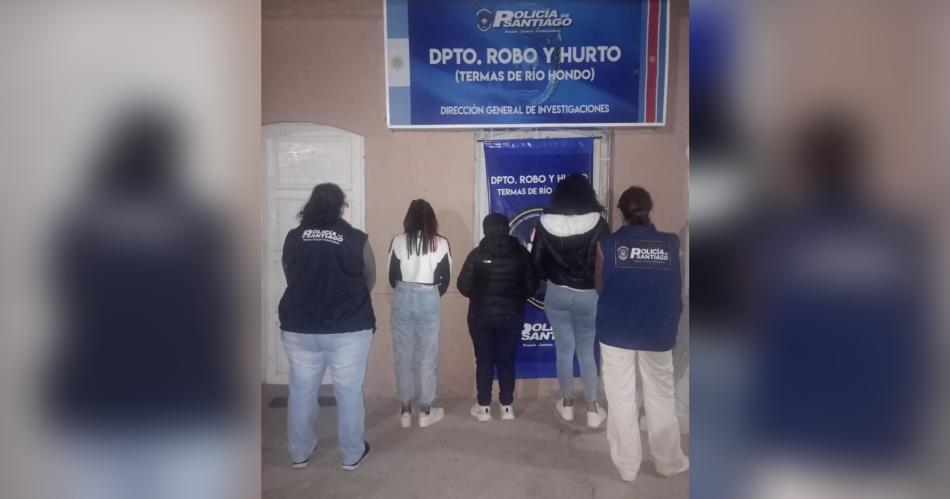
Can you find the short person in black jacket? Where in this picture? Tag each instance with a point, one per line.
(497, 277)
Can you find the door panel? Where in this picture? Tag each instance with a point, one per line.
(295, 157)
(308, 160)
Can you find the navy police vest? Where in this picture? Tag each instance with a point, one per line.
(326, 286)
(640, 305)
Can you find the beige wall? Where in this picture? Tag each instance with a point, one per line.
(323, 62)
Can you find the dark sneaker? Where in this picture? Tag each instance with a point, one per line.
(351, 467)
(303, 464)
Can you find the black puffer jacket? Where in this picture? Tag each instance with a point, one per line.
(564, 248)
(498, 277)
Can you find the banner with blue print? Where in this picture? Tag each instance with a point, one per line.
(521, 175)
(459, 63)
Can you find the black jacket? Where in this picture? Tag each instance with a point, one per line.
(498, 277)
(564, 249)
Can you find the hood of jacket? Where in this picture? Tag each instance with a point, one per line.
(499, 244)
(569, 225)
(564, 248)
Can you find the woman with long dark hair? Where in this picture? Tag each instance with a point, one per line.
(326, 319)
(420, 264)
(564, 252)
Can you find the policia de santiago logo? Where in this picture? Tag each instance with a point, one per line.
(484, 19)
(642, 255)
(523, 20)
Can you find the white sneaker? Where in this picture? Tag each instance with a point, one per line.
(670, 471)
(507, 413)
(435, 415)
(481, 412)
(405, 419)
(594, 419)
(567, 413)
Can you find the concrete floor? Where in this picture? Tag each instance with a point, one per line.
(535, 456)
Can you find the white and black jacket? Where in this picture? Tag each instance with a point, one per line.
(434, 267)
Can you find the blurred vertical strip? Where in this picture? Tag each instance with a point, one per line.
(817, 202)
(131, 219)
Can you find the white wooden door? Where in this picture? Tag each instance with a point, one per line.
(296, 157)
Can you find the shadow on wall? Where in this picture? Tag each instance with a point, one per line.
(453, 221)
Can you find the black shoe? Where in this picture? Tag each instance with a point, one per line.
(303, 464)
(351, 467)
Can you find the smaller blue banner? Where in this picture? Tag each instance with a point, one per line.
(522, 175)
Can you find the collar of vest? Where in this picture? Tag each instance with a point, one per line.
(640, 228)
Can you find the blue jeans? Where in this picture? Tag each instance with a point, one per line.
(415, 317)
(187, 462)
(573, 314)
(309, 356)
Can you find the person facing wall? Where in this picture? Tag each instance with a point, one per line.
(420, 266)
(563, 253)
(146, 366)
(638, 278)
(497, 277)
(326, 319)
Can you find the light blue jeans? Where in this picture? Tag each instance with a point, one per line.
(309, 356)
(415, 318)
(573, 316)
(188, 462)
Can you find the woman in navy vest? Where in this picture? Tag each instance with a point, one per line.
(638, 278)
(326, 319)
